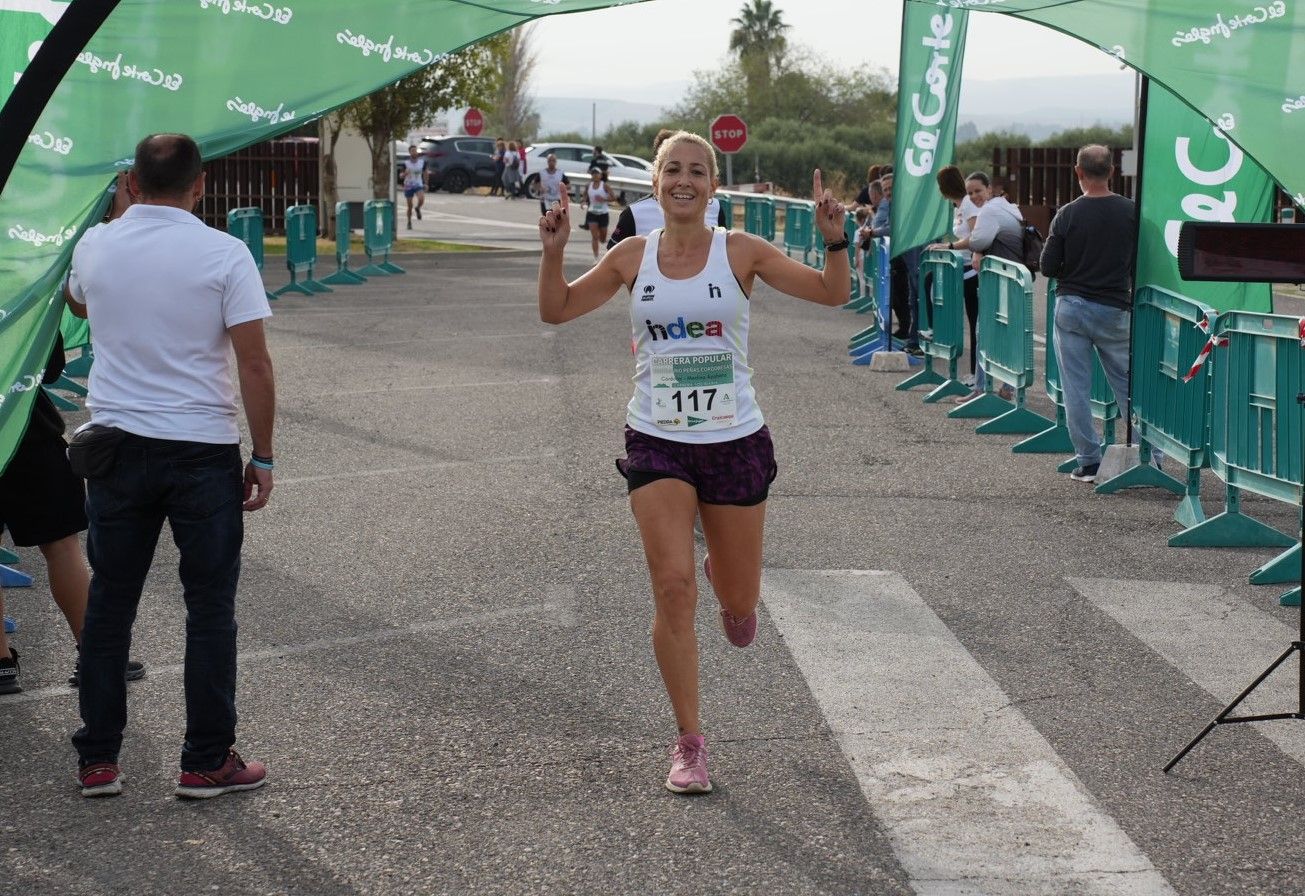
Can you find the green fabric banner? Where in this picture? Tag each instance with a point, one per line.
(1191, 172)
(928, 93)
(1240, 63)
(228, 72)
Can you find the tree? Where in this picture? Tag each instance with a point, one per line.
(513, 108)
(331, 125)
(468, 77)
(759, 43)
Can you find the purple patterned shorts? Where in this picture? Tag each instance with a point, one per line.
(738, 472)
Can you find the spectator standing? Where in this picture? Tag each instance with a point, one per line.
(1090, 251)
(500, 149)
(601, 161)
(521, 152)
(998, 230)
(511, 171)
(42, 504)
(169, 299)
(966, 195)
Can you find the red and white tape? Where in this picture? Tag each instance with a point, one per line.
(1222, 341)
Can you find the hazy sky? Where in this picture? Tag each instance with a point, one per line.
(646, 51)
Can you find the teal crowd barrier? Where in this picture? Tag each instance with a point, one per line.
(1255, 427)
(727, 208)
(80, 367)
(1168, 414)
(1005, 350)
(378, 238)
(343, 276)
(942, 324)
(799, 227)
(12, 578)
(246, 225)
(759, 217)
(301, 251)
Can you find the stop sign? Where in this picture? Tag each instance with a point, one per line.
(473, 122)
(728, 133)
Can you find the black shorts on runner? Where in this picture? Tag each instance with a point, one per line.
(737, 472)
(600, 219)
(41, 499)
(413, 191)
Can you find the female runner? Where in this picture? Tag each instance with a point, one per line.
(695, 439)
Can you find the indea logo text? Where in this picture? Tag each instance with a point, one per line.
(694, 329)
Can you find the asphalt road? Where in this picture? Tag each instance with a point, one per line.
(968, 674)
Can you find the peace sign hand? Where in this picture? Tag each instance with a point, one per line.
(830, 213)
(555, 226)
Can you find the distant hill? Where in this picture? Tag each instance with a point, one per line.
(1036, 106)
(561, 114)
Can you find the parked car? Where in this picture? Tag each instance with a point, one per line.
(457, 163)
(574, 159)
(632, 162)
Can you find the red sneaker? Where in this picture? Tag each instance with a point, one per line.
(234, 774)
(100, 779)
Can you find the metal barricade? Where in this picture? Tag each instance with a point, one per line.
(378, 238)
(1005, 349)
(942, 323)
(759, 217)
(1255, 430)
(343, 276)
(1168, 414)
(301, 250)
(875, 338)
(246, 225)
(799, 226)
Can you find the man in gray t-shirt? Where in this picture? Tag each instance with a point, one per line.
(1090, 252)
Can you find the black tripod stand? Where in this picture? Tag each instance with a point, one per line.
(1297, 646)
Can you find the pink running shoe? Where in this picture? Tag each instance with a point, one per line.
(234, 774)
(100, 779)
(739, 632)
(689, 766)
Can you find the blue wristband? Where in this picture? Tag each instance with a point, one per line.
(262, 463)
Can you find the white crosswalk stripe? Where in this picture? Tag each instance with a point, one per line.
(1219, 643)
(972, 797)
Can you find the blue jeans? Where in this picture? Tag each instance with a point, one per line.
(912, 258)
(198, 489)
(1082, 325)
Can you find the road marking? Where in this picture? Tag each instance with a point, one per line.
(420, 468)
(490, 222)
(560, 611)
(542, 334)
(1217, 641)
(542, 381)
(972, 797)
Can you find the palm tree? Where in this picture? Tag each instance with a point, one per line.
(758, 41)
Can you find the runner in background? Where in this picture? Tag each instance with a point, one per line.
(695, 438)
(414, 182)
(552, 180)
(597, 195)
(645, 216)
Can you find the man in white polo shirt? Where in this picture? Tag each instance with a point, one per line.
(168, 298)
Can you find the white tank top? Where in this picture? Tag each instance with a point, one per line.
(598, 198)
(692, 382)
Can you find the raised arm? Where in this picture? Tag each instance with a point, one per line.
(830, 286)
(560, 301)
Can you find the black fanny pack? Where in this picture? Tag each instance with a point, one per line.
(93, 450)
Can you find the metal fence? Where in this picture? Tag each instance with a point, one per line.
(271, 176)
